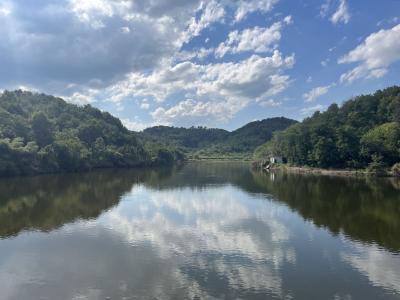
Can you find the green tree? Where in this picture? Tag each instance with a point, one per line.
(396, 113)
(382, 141)
(377, 166)
(42, 129)
(346, 136)
(41, 134)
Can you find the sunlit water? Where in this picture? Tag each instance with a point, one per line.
(202, 231)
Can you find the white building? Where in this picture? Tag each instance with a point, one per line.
(275, 160)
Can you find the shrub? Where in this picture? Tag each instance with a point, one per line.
(377, 166)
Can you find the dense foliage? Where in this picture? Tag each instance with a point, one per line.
(42, 134)
(364, 131)
(202, 142)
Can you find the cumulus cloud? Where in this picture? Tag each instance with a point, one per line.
(340, 15)
(113, 50)
(220, 90)
(188, 111)
(316, 92)
(91, 11)
(52, 44)
(374, 55)
(211, 13)
(245, 7)
(257, 39)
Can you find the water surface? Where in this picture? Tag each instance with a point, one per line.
(201, 231)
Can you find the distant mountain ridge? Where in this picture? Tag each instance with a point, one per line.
(202, 141)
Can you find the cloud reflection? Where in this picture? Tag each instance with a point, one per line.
(380, 267)
(223, 229)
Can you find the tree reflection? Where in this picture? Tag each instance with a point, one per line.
(363, 209)
(366, 209)
(47, 202)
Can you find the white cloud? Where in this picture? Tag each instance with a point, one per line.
(374, 55)
(145, 105)
(390, 21)
(219, 90)
(203, 52)
(188, 111)
(135, 125)
(342, 13)
(5, 9)
(257, 39)
(79, 42)
(197, 53)
(379, 266)
(311, 109)
(122, 49)
(211, 12)
(270, 103)
(207, 221)
(249, 6)
(125, 29)
(90, 11)
(160, 84)
(325, 7)
(82, 98)
(251, 78)
(317, 92)
(325, 62)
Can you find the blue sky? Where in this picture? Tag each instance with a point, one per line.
(211, 63)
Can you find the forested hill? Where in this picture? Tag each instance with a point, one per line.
(43, 134)
(194, 137)
(363, 132)
(253, 134)
(217, 143)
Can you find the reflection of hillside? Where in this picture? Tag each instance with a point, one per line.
(47, 202)
(363, 209)
(367, 210)
(203, 174)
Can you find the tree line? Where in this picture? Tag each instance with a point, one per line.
(364, 132)
(45, 134)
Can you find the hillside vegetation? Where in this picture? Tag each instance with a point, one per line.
(201, 142)
(363, 132)
(44, 134)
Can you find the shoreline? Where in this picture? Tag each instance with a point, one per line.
(330, 172)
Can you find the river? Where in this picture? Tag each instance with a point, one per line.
(199, 231)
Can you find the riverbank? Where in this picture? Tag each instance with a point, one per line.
(330, 172)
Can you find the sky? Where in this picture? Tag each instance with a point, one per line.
(200, 63)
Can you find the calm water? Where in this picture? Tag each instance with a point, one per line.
(202, 231)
